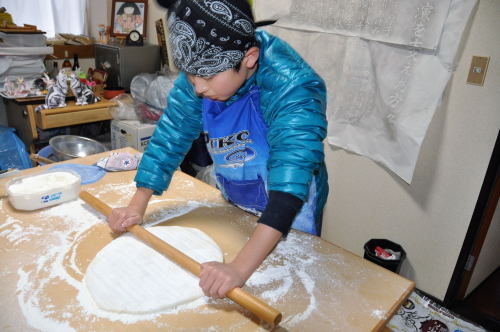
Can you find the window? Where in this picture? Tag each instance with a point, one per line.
(52, 16)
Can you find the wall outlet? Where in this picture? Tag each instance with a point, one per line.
(477, 71)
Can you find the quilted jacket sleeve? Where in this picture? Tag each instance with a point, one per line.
(293, 102)
(179, 125)
(297, 128)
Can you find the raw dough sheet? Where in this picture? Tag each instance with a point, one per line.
(129, 276)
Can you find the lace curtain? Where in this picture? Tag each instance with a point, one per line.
(52, 16)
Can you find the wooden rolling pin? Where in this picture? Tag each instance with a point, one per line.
(253, 304)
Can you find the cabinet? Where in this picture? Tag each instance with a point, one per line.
(22, 116)
(124, 62)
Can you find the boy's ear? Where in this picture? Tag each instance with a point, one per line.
(251, 57)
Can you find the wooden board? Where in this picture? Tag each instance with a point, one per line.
(83, 51)
(27, 30)
(315, 284)
(72, 114)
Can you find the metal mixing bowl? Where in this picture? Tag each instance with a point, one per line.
(67, 147)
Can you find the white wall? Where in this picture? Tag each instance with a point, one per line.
(155, 12)
(98, 12)
(429, 218)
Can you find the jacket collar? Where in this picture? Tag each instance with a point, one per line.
(249, 83)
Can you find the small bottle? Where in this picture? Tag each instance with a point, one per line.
(76, 65)
(66, 63)
(55, 70)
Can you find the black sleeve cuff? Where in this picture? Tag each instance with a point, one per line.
(281, 211)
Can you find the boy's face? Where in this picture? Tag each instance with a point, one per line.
(224, 85)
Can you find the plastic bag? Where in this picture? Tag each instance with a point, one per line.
(125, 109)
(13, 152)
(147, 114)
(150, 92)
(206, 174)
(139, 86)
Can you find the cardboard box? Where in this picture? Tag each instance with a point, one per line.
(131, 133)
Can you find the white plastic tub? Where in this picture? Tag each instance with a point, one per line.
(43, 189)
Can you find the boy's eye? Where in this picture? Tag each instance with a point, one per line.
(205, 78)
(193, 78)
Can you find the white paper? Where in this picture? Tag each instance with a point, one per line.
(393, 21)
(265, 10)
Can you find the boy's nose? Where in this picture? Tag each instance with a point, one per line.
(200, 86)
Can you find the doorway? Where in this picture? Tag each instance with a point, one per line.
(480, 305)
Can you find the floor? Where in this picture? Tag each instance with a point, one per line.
(483, 304)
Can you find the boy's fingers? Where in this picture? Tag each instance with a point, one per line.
(215, 289)
(224, 289)
(206, 279)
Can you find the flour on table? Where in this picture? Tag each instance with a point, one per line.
(128, 276)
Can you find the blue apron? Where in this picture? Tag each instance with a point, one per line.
(237, 143)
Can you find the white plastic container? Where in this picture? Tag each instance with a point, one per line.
(43, 189)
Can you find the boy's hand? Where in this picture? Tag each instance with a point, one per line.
(216, 279)
(124, 217)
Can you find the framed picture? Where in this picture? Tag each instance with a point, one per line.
(128, 15)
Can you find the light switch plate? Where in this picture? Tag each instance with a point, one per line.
(477, 71)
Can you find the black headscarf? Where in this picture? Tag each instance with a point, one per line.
(209, 36)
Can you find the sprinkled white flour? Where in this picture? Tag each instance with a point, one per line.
(287, 266)
(15, 233)
(75, 219)
(297, 265)
(378, 314)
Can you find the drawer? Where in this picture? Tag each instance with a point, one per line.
(69, 116)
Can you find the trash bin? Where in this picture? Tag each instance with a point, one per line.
(393, 265)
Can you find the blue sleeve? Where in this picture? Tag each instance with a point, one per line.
(297, 128)
(176, 130)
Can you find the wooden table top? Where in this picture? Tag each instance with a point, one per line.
(317, 285)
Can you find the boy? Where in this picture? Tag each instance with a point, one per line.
(263, 109)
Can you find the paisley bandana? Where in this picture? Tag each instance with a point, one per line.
(208, 37)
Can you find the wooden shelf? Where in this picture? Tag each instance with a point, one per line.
(83, 51)
(26, 29)
(73, 114)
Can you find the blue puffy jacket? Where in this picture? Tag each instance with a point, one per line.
(293, 104)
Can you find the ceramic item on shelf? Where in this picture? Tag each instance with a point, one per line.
(56, 97)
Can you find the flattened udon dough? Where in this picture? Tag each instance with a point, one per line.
(128, 276)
